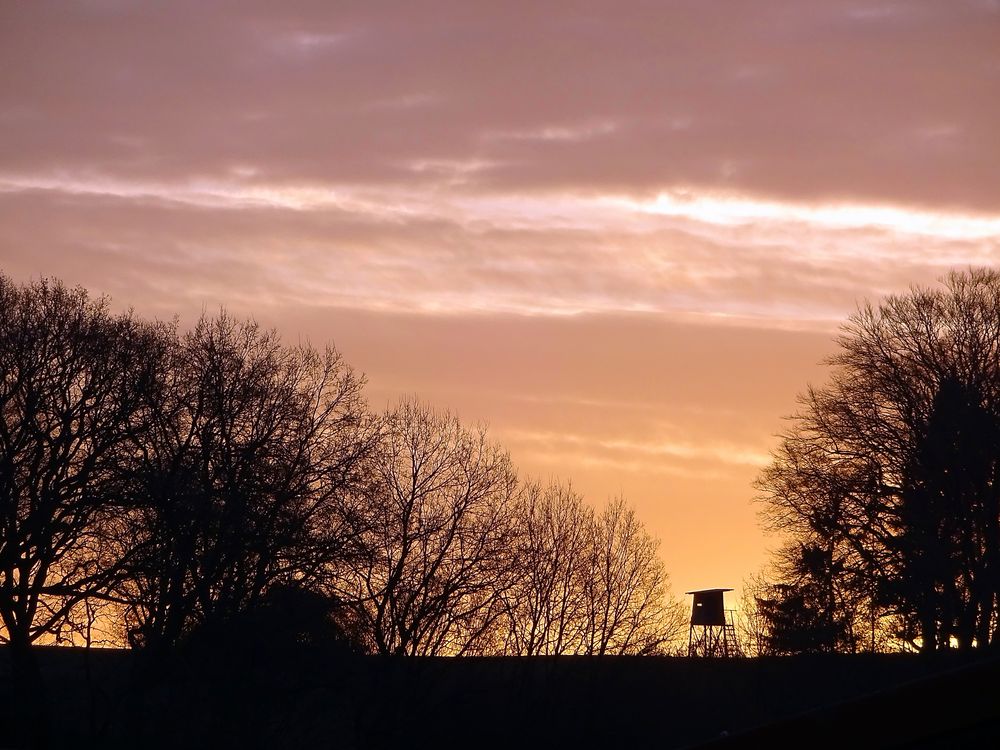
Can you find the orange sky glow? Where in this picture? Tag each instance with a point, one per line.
(621, 233)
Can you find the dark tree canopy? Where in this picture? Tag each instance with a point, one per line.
(808, 611)
(244, 480)
(894, 466)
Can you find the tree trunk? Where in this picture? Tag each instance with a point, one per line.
(928, 633)
(30, 701)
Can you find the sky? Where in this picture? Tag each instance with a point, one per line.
(621, 233)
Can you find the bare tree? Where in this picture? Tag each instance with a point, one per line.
(546, 600)
(435, 549)
(752, 627)
(244, 480)
(72, 380)
(629, 609)
(585, 582)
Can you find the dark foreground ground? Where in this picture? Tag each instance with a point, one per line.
(308, 697)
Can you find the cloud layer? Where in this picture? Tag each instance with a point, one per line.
(875, 101)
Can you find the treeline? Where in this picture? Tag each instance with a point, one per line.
(155, 484)
(887, 484)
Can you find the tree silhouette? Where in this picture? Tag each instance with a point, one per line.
(895, 465)
(72, 382)
(628, 606)
(217, 489)
(585, 582)
(949, 514)
(546, 601)
(807, 611)
(435, 548)
(245, 480)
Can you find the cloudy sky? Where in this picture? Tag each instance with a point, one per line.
(621, 233)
